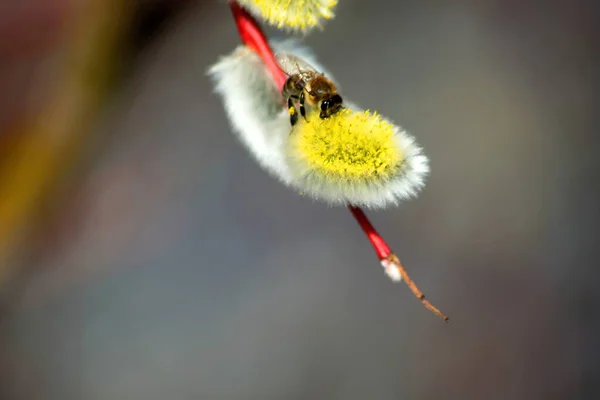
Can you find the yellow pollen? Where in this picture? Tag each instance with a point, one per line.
(293, 14)
(349, 146)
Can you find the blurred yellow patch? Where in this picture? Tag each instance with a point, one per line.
(347, 147)
(292, 14)
(49, 141)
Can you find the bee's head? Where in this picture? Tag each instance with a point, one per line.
(331, 105)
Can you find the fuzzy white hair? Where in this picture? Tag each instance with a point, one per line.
(258, 116)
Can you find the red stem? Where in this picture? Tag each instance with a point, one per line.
(253, 37)
(381, 248)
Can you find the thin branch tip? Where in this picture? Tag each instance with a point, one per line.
(393, 259)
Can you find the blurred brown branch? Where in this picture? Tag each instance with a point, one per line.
(69, 48)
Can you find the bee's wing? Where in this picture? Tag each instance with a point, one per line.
(291, 65)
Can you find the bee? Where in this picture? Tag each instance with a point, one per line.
(305, 87)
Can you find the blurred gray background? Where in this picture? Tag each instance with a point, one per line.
(174, 267)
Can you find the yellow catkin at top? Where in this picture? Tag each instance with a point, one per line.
(292, 14)
(349, 146)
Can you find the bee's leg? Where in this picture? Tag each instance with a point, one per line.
(293, 116)
(302, 109)
(292, 111)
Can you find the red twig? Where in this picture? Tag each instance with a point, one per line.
(381, 248)
(253, 37)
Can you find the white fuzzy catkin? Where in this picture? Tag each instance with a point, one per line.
(257, 114)
(254, 105)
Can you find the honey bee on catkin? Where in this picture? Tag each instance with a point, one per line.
(307, 87)
(311, 137)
